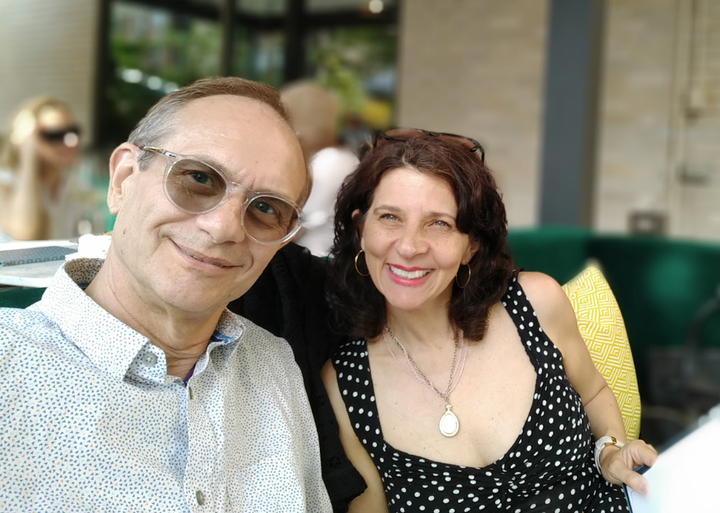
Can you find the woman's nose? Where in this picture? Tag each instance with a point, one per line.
(411, 241)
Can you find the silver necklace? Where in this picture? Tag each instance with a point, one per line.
(449, 424)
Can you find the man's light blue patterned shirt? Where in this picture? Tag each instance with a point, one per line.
(89, 420)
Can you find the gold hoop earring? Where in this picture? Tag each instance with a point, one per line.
(468, 277)
(356, 264)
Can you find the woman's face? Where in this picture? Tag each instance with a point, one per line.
(60, 150)
(413, 248)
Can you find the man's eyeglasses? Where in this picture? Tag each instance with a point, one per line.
(403, 134)
(196, 187)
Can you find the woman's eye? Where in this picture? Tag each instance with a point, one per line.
(442, 224)
(388, 217)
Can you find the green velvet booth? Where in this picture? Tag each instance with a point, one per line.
(660, 283)
(19, 297)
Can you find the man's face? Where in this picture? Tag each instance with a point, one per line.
(200, 262)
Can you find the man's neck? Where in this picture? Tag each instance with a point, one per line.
(182, 337)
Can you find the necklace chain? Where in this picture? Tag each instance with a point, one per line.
(420, 375)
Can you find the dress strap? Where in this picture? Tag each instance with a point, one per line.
(356, 388)
(541, 350)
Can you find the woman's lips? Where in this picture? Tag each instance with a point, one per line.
(408, 274)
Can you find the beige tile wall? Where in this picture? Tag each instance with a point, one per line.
(47, 47)
(475, 67)
(636, 110)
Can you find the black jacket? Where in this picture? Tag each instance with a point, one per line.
(289, 301)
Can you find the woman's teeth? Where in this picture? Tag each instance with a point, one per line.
(408, 275)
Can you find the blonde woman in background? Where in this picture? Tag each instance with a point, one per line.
(40, 148)
(315, 116)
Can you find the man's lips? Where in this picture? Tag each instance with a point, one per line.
(218, 262)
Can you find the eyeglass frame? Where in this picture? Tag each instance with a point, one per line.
(174, 157)
(383, 134)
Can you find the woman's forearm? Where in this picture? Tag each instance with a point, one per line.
(25, 216)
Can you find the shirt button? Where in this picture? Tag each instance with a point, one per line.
(190, 393)
(200, 497)
(149, 359)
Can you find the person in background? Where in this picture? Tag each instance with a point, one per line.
(35, 182)
(130, 386)
(315, 115)
(468, 386)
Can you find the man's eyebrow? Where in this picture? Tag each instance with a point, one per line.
(213, 163)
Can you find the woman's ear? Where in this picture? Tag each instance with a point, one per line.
(359, 222)
(122, 166)
(473, 248)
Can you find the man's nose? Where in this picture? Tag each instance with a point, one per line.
(224, 224)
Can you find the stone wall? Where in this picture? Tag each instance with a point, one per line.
(48, 48)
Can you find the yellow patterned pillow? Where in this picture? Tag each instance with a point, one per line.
(602, 327)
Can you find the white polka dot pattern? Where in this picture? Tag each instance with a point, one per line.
(549, 467)
(91, 421)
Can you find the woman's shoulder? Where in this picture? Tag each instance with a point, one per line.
(545, 294)
(538, 284)
(552, 306)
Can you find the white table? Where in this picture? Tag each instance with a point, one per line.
(32, 275)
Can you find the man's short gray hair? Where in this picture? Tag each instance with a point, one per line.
(159, 121)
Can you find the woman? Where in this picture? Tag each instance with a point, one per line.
(42, 145)
(469, 386)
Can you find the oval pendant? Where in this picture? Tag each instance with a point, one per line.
(449, 423)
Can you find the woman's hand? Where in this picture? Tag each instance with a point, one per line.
(617, 464)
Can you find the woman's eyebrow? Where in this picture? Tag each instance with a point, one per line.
(394, 210)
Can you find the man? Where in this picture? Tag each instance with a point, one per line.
(315, 115)
(129, 386)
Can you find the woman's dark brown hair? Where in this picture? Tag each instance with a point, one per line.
(358, 306)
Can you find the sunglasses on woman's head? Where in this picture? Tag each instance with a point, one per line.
(404, 134)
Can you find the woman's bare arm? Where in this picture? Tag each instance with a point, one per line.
(373, 498)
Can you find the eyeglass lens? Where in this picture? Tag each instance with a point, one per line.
(197, 188)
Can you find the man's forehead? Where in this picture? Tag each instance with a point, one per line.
(238, 133)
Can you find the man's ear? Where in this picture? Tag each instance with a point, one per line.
(123, 164)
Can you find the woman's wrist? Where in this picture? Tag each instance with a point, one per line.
(604, 448)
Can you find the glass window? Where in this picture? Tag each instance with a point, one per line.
(153, 51)
(262, 7)
(259, 55)
(359, 64)
(360, 6)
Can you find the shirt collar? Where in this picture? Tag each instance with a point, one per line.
(108, 343)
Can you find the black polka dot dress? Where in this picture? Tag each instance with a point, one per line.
(549, 468)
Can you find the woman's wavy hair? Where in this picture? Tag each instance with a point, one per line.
(359, 308)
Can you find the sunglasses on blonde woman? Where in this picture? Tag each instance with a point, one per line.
(196, 187)
(403, 134)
